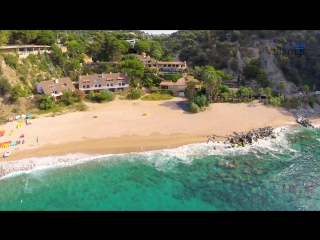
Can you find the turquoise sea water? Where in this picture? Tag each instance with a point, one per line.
(280, 174)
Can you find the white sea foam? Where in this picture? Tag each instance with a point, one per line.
(161, 159)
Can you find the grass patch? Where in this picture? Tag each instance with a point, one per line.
(156, 97)
(79, 107)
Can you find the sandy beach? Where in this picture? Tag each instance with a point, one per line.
(121, 127)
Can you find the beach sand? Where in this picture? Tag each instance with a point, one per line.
(121, 128)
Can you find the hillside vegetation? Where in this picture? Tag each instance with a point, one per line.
(249, 58)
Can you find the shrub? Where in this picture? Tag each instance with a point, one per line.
(105, 96)
(46, 102)
(162, 91)
(194, 108)
(17, 91)
(79, 95)
(5, 86)
(11, 60)
(157, 97)
(134, 94)
(201, 101)
(81, 107)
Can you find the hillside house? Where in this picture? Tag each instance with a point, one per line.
(55, 87)
(105, 81)
(164, 67)
(24, 50)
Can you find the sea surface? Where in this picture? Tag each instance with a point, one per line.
(274, 174)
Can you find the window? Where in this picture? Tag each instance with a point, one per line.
(51, 86)
(88, 86)
(108, 85)
(99, 85)
(64, 84)
(165, 65)
(97, 80)
(95, 85)
(111, 84)
(169, 65)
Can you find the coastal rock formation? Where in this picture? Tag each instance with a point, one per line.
(304, 121)
(241, 139)
(244, 138)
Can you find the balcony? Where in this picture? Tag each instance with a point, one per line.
(104, 87)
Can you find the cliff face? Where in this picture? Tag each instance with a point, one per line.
(8, 72)
(268, 62)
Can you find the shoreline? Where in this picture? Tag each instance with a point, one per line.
(122, 128)
(111, 145)
(120, 145)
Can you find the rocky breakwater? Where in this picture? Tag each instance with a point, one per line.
(304, 121)
(241, 139)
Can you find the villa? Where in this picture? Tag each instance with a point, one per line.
(163, 67)
(24, 50)
(105, 81)
(55, 87)
(178, 88)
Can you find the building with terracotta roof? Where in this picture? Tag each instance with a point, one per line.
(55, 87)
(178, 88)
(164, 67)
(105, 81)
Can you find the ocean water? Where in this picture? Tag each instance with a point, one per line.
(279, 174)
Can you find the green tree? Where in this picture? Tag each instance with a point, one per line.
(124, 46)
(191, 88)
(282, 85)
(4, 37)
(142, 46)
(46, 37)
(250, 92)
(262, 76)
(268, 92)
(111, 48)
(305, 88)
(74, 48)
(234, 64)
(24, 36)
(211, 80)
(224, 96)
(148, 82)
(155, 50)
(57, 57)
(5, 86)
(94, 49)
(251, 69)
(46, 102)
(134, 68)
(67, 97)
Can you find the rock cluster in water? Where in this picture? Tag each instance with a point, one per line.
(253, 135)
(241, 139)
(304, 121)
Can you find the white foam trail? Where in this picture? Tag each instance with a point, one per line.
(163, 160)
